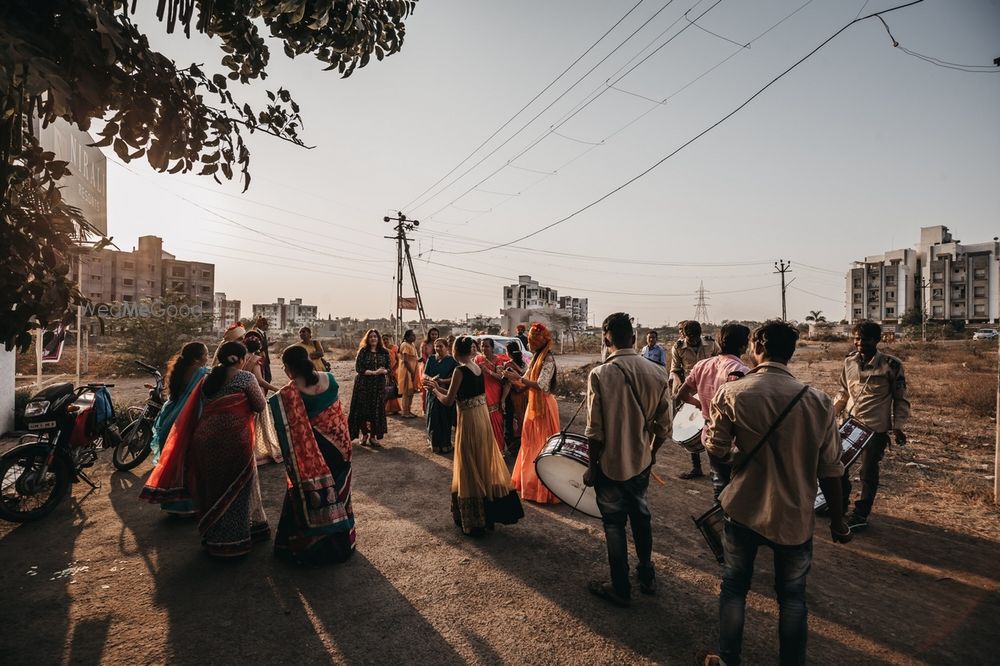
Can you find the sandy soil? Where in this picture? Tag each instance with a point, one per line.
(107, 579)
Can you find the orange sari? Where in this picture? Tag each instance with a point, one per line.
(392, 406)
(541, 421)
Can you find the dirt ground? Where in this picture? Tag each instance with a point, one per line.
(107, 579)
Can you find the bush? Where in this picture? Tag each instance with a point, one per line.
(977, 392)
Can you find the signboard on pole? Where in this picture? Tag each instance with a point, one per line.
(53, 340)
(407, 303)
(87, 185)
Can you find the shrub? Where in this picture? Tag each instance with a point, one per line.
(977, 392)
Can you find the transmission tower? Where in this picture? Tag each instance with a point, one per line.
(701, 307)
(403, 224)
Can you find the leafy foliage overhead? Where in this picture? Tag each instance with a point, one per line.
(86, 60)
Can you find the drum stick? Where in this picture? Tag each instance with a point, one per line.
(657, 478)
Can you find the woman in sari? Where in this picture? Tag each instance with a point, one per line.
(317, 518)
(265, 447)
(515, 400)
(209, 458)
(367, 417)
(426, 351)
(492, 366)
(541, 418)
(440, 418)
(391, 406)
(408, 373)
(481, 490)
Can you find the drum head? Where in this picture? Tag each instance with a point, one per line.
(563, 476)
(688, 423)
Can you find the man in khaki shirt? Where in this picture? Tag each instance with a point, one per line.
(873, 391)
(628, 419)
(769, 501)
(685, 353)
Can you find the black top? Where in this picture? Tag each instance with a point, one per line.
(472, 384)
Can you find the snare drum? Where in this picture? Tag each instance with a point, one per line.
(854, 437)
(711, 524)
(688, 423)
(560, 466)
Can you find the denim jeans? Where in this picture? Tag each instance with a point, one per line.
(870, 459)
(621, 502)
(721, 474)
(791, 566)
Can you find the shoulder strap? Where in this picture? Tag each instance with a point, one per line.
(770, 431)
(635, 394)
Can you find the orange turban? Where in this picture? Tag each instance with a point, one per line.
(538, 336)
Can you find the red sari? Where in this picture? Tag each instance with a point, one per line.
(494, 394)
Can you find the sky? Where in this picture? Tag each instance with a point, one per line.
(848, 155)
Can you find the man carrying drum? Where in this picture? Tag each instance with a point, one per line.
(686, 352)
(704, 381)
(628, 419)
(873, 391)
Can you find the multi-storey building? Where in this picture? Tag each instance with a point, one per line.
(577, 308)
(288, 316)
(225, 312)
(527, 294)
(527, 301)
(941, 277)
(147, 272)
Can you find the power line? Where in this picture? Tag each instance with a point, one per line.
(693, 139)
(971, 69)
(530, 102)
(549, 106)
(827, 298)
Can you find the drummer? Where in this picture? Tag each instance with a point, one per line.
(685, 353)
(704, 381)
(628, 419)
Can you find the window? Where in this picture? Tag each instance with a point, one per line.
(980, 310)
(177, 271)
(128, 282)
(177, 286)
(890, 295)
(152, 268)
(127, 298)
(95, 277)
(937, 276)
(937, 294)
(857, 283)
(128, 264)
(95, 295)
(890, 280)
(206, 274)
(938, 310)
(979, 274)
(857, 313)
(979, 292)
(890, 312)
(205, 289)
(857, 298)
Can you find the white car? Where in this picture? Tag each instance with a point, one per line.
(501, 341)
(985, 334)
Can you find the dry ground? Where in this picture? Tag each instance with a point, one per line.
(107, 579)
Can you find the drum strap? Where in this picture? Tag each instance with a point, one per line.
(647, 426)
(770, 431)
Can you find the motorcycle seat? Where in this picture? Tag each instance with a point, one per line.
(54, 392)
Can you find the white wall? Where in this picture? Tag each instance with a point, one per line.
(6, 390)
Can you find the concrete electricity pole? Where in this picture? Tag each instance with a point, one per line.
(783, 267)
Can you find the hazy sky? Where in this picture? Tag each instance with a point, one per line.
(846, 156)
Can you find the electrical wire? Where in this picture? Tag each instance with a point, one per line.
(694, 138)
(523, 108)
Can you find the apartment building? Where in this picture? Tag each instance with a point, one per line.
(941, 276)
(577, 308)
(290, 316)
(528, 300)
(147, 272)
(225, 312)
(527, 294)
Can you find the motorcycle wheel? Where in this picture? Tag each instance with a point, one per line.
(133, 447)
(23, 496)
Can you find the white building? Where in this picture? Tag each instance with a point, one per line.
(941, 276)
(528, 297)
(224, 312)
(289, 316)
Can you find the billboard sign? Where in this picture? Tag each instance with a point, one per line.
(86, 187)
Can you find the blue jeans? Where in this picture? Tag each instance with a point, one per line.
(621, 502)
(791, 566)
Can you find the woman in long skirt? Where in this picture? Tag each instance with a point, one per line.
(392, 406)
(210, 459)
(515, 401)
(481, 490)
(409, 371)
(541, 419)
(317, 517)
(367, 417)
(440, 418)
(265, 441)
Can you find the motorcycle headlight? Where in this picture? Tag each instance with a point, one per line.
(36, 408)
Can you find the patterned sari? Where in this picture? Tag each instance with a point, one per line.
(494, 394)
(317, 518)
(170, 411)
(541, 421)
(392, 406)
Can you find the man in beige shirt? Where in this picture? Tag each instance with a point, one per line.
(684, 355)
(873, 391)
(628, 419)
(780, 436)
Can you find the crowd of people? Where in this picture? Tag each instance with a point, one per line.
(770, 440)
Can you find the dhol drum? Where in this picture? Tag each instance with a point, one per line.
(688, 423)
(560, 466)
(854, 437)
(710, 524)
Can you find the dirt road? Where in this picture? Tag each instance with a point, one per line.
(107, 579)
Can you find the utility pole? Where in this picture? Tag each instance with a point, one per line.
(404, 224)
(924, 284)
(701, 307)
(783, 267)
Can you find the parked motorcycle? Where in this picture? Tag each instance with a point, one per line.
(134, 446)
(67, 427)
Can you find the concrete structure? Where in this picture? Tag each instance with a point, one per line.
(224, 312)
(577, 309)
(6, 390)
(529, 296)
(961, 282)
(147, 272)
(289, 316)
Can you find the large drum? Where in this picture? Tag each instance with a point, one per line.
(854, 437)
(688, 423)
(560, 466)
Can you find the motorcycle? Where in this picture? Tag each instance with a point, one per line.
(134, 446)
(67, 427)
